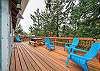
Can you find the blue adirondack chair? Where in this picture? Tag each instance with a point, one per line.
(18, 39)
(82, 60)
(46, 40)
(49, 44)
(73, 44)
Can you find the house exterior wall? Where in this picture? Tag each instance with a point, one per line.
(0, 35)
(23, 6)
(6, 35)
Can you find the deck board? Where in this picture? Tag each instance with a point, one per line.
(54, 56)
(27, 58)
(36, 67)
(36, 60)
(34, 64)
(12, 63)
(23, 64)
(48, 61)
(17, 61)
(58, 59)
(39, 58)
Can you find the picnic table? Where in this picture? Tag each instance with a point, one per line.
(35, 41)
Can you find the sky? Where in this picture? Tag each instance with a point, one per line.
(30, 8)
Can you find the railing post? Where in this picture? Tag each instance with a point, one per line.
(55, 39)
(98, 56)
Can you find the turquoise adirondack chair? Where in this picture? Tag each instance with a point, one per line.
(49, 44)
(82, 60)
(18, 39)
(73, 45)
(46, 40)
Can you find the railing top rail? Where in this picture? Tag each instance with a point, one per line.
(70, 38)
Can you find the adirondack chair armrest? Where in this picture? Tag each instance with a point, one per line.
(77, 49)
(52, 43)
(67, 47)
(81, 57)
(68, 43)
(46, 43)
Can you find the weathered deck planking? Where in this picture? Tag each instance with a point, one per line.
(59, 60)
(23, 64)
(17, 61)
(42, 61)
(48, 61)
(59, 64)
(27, 61)
(36, 67)
(53, 56)
(33, 63)
(28, 58)
(37, 61)
(12, 63)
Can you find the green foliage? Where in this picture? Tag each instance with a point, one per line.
(36, 28)
(19, 30)
(85, 17)
(66, 17)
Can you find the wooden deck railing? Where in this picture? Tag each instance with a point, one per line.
(84, 43)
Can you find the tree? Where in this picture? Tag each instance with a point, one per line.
(56, 16)
(81, 16)
(30, 29)
(37, 25)
(85, 16)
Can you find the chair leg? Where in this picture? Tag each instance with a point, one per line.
(67, 60)
(64, 48)
(85, 67)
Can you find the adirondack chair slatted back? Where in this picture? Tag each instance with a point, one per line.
(74, 44)
(75, 41)
(47, 40)
(93, 51)
(49, 44)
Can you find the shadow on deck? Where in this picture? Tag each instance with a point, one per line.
(28, 58)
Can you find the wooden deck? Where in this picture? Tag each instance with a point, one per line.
(28, 58)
